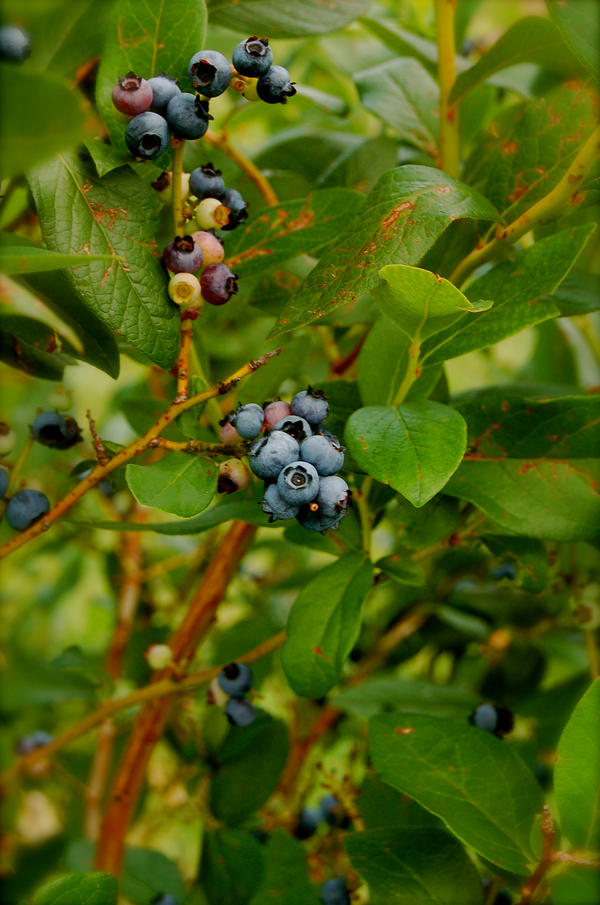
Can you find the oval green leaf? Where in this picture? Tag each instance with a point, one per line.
(180, 484)
(93, 888)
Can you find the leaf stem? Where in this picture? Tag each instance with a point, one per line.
(565, 192)
(412, 371)
(178, 146)
(221, 141)
(449, 133)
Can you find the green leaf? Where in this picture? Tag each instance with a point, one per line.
(260, 751)
(231, 867)
(402, 569)
(403, 94)
(577, 886)
(147, 38)
(549, 499)
(403, 42)
(577, 773)
(291, 228)
(531, 39)
(31, 346)
(401, 218)
(117, 215)
(414, 447)
(516, 286)
(579, 293)
(382, 362)
(80, 889)
(286, 873)
(54, 111)
(381, 806)
(579, 24)
(408, 695)
(180, 483)
(147, 873)
(324, 624)
(413, 866)
(291, 19)
(26, 258)
(422, 303)
(475, 782)
(360, 166)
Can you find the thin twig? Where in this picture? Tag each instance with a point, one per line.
(99, 447)
(221, 140)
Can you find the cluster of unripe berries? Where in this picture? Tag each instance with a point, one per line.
(235, 680)
(27, 506)
(297, 457)
(160, 109)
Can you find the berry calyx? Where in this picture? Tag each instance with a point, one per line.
(182, 255)
(298, 482)
(55, 430)
(218, 284)
(132, 95)
(295, 426)
(147, 135)
(253, 56)
(184, 289)
(274, 87)
(232, 476)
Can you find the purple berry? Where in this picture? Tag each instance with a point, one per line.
(132, 95)
(218, 284)
(182, 255)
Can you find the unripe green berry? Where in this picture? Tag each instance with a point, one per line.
(7, 439)
(211, 214)
(233, 475)
(159, 656)
(61, 400)
(184, 289)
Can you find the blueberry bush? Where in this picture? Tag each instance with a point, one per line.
(299, 452)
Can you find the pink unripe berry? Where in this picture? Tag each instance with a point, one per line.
(184, 289)
(132, 95)
(212, 248)
(211, 214)
(228, 433)
(275, 412)
(233, 475)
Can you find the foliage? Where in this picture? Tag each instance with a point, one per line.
(421, 245)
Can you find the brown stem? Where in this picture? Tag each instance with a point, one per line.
(99, 446)
(183, 360)
(151, 721)
(547, 829)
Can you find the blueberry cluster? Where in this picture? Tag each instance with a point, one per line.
(490, 718)
(297, 457)
(160, 109)
(235, 679)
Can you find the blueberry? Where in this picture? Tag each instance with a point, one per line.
(147, 135)
(184, 289)
(490, 718)
(274, 87)
(210, 72)
(276, 507)
(187, 116)
(504, 570)
(324, 453)
(296, 427)
(235, 679)
(132, 95)
(163, 89)
(232, 475)
(4, 481)
(206, 182)
(25, 508)
(334, 892)
(312, 405)
(211, 213)
(308, 822)
(313, 519)
(275, 412)
(333, 496)
(333, 812)
(240, 712)
(218, 284)
(233, 199)
(33, 741)
(298, 482)
(15, 45)
(268, 455)
(164, 898)
(252, 57)
(182, 255)
(211, 246)
(55, 430)
(248, 420)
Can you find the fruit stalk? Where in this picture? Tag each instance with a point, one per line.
(178, 145)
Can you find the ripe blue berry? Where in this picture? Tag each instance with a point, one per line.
(504, 570)
(498, 720)
(323, 452)
(333, 811)
(235, 679)
(4, 482)
(210, 72)
(147, 135)
(182, 255)
(233, 199)
(274, 87)
(248, 420)
(333, 496)
(34, 740)
(206, 182)
(313, 519)
(252, 57)
(296, 427)
(312, 405)
(187, 115)
(55, 430)
(163, 89)
(308, 822)
(218, 284)
(164, 898)
(334, 892)
(268, 455)
(15, 45)
(240, 712)
(25, 508)
(132, 95)
(298, 482)
(276, 507)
